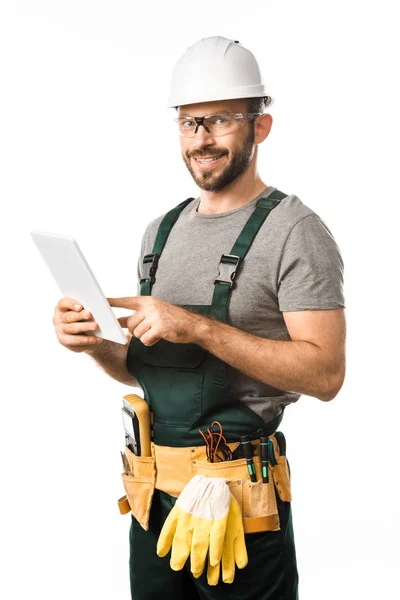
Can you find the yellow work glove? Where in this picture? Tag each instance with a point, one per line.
(234, 548)
(197, 524)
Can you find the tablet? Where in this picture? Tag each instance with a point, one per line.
(75, 278)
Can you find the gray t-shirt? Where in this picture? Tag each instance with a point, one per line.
(293, 264)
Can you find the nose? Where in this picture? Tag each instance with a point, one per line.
(202, 138)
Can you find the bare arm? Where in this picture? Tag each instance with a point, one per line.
(72, 323)
(312, 362)
(111, 357)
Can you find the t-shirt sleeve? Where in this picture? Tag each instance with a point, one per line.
(140, 261)
(311, 271)
(138, 277)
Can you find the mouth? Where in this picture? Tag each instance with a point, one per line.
(208, 161)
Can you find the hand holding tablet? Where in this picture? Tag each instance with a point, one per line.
(77, 281)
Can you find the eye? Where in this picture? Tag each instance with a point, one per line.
(187, 123)
(219, 120)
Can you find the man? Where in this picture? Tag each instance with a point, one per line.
(240, 311)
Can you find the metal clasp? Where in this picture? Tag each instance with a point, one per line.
(266, 202)
(227, 270)
(150, 264)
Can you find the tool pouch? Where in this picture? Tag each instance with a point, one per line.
(257, 500)
(139, 487)
(281, 473)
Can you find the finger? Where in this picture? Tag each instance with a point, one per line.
(79, 340)
(240, 550)
(132, 321)
(123, 321)
(64, 307)
(149, 338)
(182, 541)
(217, 536)
(199, 549)
(180, 548)
(72, 328)
(228, 555)
(134, 302)
(213, 574)
(228, 562)
(167, 533)
(141, 329)
(68, 303)
(238, 542)
(72, 316)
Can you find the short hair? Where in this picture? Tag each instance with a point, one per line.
(257, 105)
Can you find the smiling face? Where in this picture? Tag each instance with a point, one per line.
(233, 152)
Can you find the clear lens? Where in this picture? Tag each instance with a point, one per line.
(218, 124)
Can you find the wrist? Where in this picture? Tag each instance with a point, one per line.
(96, 349)
(200, 329)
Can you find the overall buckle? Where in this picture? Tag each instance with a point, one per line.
(227, 270)
(150, 264)
(266, 203)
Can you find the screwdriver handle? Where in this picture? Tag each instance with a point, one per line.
(264, 441)
(248, 453)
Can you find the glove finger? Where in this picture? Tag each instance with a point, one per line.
(228, 562)
(167, 533)
(181, 543)
(213, 574)
(200, 545)
(239, 544)
(199, 573)
(217, 536)
(240, 550)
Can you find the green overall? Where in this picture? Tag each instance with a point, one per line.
(186, 388)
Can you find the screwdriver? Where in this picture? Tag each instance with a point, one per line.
(248, 453)
(264, 441)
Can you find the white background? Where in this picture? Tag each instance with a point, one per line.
(88, 148)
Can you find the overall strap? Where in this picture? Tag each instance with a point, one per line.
(150, 261)
(230, 262)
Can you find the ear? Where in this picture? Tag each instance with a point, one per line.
(262, 127)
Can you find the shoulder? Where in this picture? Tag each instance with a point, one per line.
(293, 217)
(290, 211)
(150, 232)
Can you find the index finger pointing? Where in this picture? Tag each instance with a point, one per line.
(133, 302)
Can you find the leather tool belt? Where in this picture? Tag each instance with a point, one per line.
(169, 469)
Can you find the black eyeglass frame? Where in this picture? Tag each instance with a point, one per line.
(200, 121)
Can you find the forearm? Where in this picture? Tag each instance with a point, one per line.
(111, 357)
(295, 366)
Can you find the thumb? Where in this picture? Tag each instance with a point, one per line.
(164, 542)
(123, 321)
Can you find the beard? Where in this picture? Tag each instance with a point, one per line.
(211, 181)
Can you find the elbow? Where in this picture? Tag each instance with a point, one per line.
(328, 395)
(333, 385)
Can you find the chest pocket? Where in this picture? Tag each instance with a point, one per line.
(174, 377)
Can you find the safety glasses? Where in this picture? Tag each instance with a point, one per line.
(216, 124)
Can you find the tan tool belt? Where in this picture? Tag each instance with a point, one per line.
(169, 469)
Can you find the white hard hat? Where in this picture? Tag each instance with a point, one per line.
(216, 68)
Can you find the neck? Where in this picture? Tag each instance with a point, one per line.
(241, 191)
